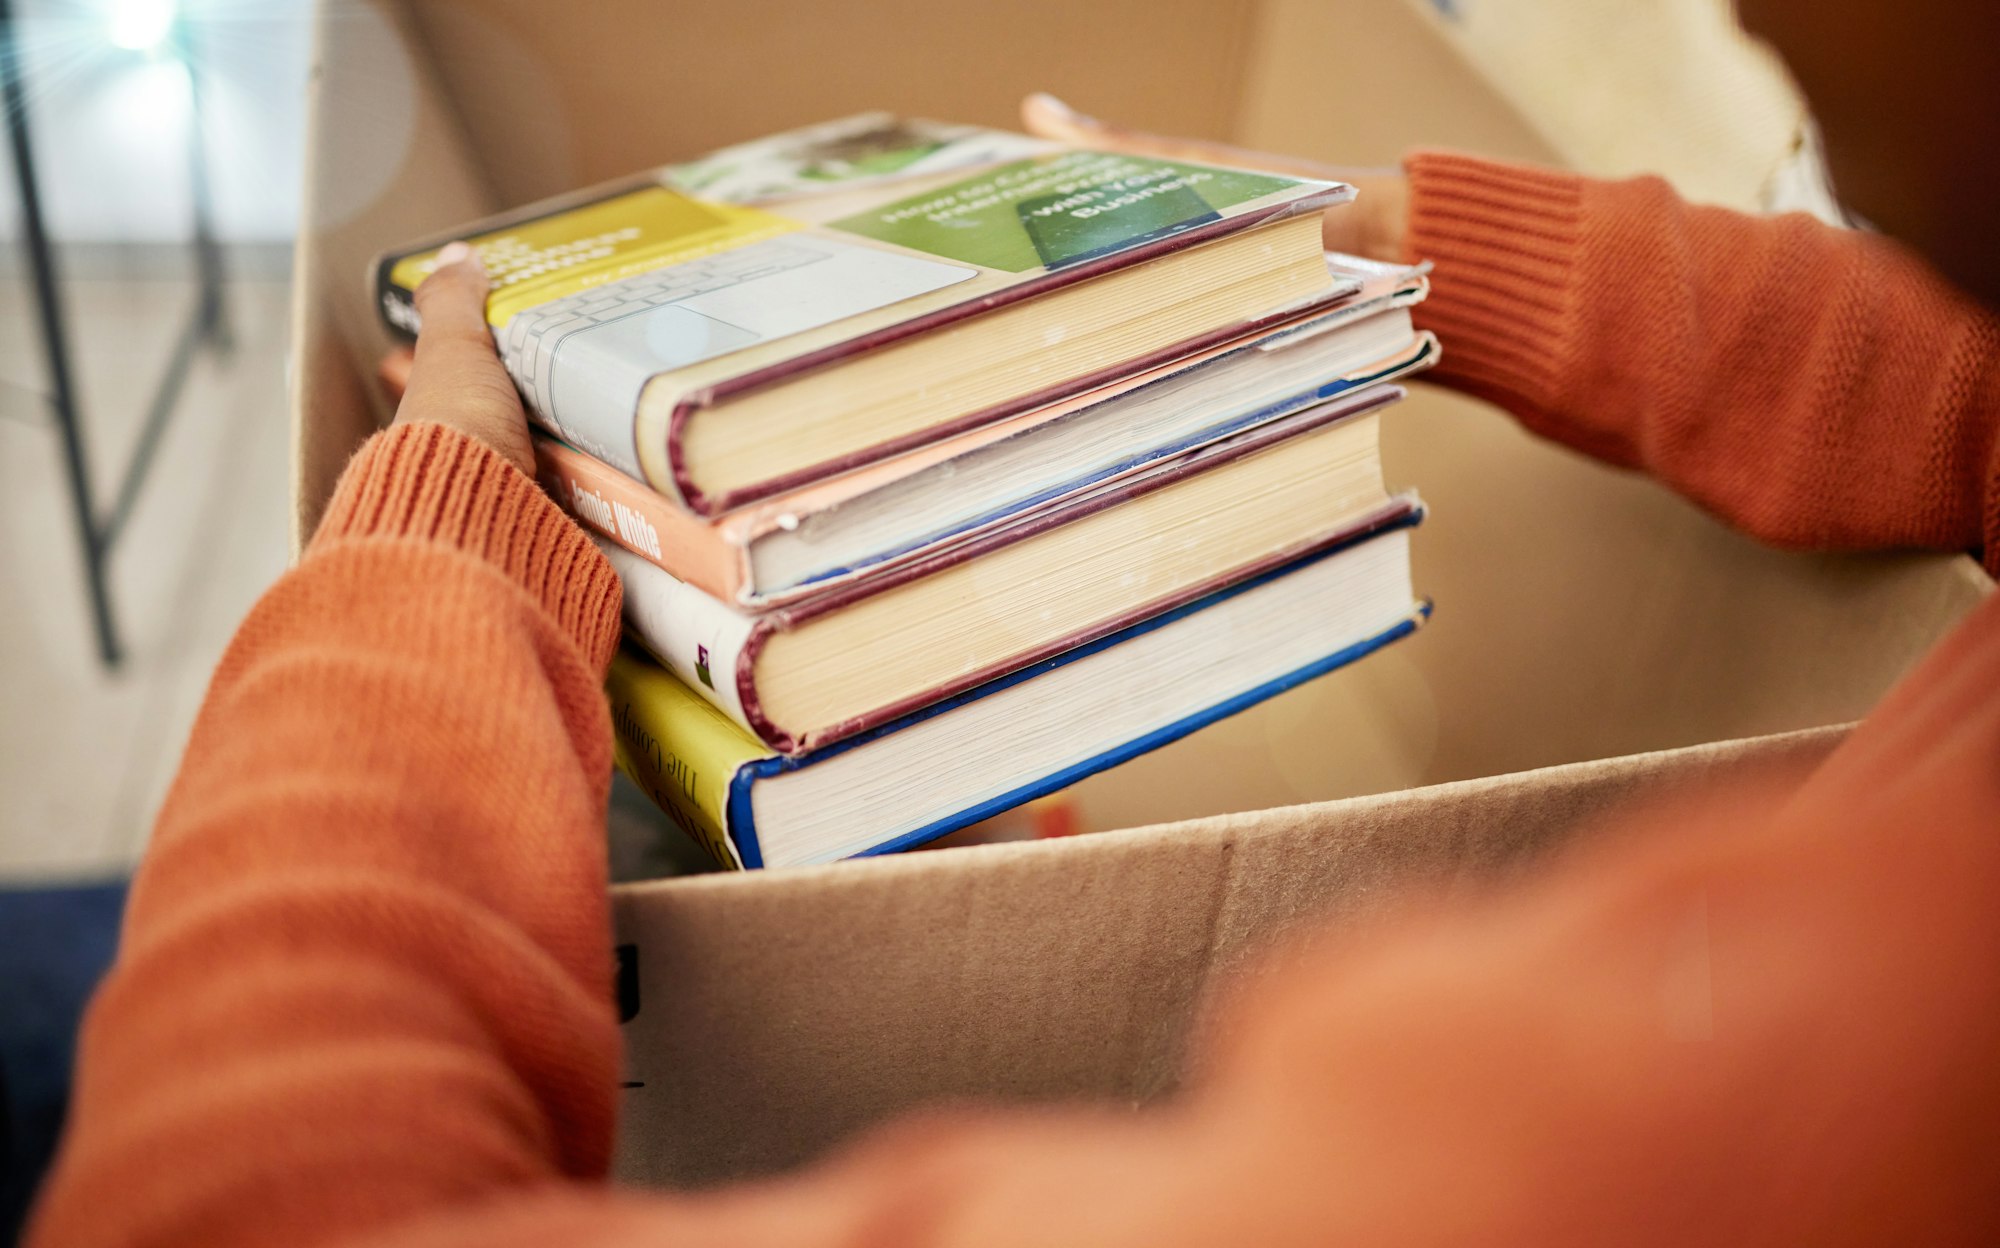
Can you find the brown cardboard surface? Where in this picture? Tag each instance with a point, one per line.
(1361, 82)
(1585, 617)
(779, 1013)
(556, 96)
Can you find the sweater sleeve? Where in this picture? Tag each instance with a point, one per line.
(364, 972)
(1818, 388)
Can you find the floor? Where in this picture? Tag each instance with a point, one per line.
(86, 754)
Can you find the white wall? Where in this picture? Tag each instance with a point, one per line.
(110, 126)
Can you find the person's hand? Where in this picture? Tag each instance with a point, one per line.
(455, 377)
(1371, 226)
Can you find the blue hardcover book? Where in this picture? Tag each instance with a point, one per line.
(1023, 735)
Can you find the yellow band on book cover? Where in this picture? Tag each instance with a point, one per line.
(595, 244)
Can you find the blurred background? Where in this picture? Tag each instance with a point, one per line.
(167, 145)
(114, 131)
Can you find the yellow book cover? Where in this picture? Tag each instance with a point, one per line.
(682, 751)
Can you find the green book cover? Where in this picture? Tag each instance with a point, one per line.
(620, 312)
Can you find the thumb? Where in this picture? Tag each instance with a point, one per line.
(456, 377)
(452, 300)
(1046, 117)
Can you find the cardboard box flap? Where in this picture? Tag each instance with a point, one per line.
(780, 1013)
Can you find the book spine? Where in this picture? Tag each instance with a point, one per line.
(610, 504)
(680, 750)
(700, 640)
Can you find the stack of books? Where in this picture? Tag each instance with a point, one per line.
(944, 466)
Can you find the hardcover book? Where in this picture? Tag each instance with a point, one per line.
(836, 664)
(1017, 737)
(829, 534)
(797, 307)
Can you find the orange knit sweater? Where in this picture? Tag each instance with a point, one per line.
(363, 993)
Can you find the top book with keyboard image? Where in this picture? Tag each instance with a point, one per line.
(796, 307)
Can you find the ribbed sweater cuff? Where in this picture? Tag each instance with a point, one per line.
(1504, 240)
(434, 484)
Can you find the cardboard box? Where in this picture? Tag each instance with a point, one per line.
(1596, 640)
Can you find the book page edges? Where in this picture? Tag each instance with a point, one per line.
(743, 821)
(1400, 512)
(669, 401)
